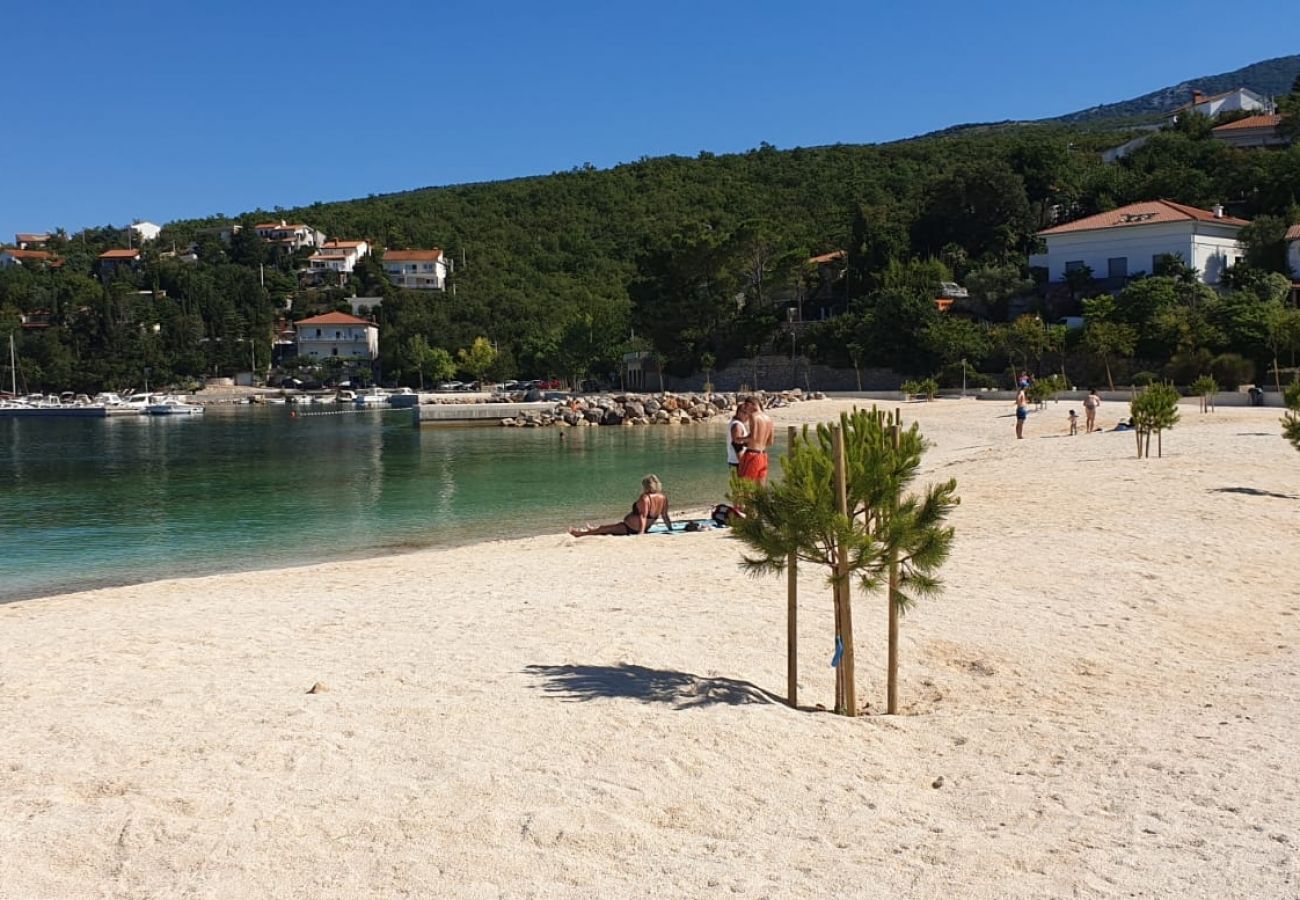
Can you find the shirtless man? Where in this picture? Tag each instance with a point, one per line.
(1022, 412)
(753, 462)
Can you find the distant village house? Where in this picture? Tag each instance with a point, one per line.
(337, 256)
(146, 231)
(290, 236)
(109, 261)
(11, 256)
(33, 241)
(420, 270)
(1237, 100)
(1252, 131)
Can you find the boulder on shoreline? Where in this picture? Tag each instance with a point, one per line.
(626, 409)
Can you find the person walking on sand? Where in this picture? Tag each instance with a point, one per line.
(1090, 404)
(753, 461)
(737, 432)
(1022, 413)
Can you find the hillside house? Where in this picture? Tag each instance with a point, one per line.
(1293, 250)
(289, 235)
(337, 256)
(145, 231)
(337, 334)
(13, 256)
(419, 270)
(32, 241)
(1252, 131)
(1236, 100)
(1125, 242)
(110, 260)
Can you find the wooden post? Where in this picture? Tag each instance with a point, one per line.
(891, 689)
(792, 612)
(842, 581)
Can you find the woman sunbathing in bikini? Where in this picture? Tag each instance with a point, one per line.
(649, 507)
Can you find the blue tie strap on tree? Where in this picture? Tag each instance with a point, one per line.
(839, 652)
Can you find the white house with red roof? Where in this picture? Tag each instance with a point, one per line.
(32, 240)
(1130, 240)
(290, 235)
(1252, 131)
(337, 334)
(13, 256)
(337, 256)
(419, 270)
(1236, 100)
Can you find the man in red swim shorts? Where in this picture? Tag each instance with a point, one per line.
(753, 462)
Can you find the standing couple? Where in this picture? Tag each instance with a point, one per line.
(748, 437)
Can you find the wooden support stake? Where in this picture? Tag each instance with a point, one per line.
(842, 582)
(792, 612)
(891, 688)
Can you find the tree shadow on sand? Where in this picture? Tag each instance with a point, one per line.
(1253, 492)
(681, 690)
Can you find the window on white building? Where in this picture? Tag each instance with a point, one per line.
(1117, 267)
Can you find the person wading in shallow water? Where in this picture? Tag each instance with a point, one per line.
(753, 461)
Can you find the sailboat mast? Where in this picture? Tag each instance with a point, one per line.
(13, 366)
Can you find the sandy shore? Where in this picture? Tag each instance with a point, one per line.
(1106, 689)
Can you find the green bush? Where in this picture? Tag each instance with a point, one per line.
(1232, 370)
(1145, 379)
(1185, 367)
(1153, 411)
(926, 387)
(1204, 386)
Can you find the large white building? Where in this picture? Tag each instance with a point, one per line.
(337, 334)
(1130, 240)
(421, 270)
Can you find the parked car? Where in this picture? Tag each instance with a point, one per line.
(451, 386)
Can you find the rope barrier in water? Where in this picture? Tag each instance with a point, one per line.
(294, 414)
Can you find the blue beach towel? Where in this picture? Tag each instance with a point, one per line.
(679, 527)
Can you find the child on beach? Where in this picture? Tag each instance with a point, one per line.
(1074, 423)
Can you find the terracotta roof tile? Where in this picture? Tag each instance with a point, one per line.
(1251, 122)
(413, 255)
(27, 254)
(120, 254)
(334, 318)
(1151, 212)
(342, 245)
(827, 257)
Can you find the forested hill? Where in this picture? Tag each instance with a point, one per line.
(693, 258)
(1269, 78)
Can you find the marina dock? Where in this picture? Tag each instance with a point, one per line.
(476, 413)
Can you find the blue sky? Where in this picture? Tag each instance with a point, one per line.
(118, 111)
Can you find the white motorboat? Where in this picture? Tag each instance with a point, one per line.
(374, 397)
(173, 406)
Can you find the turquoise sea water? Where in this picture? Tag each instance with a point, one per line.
(92, 502)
